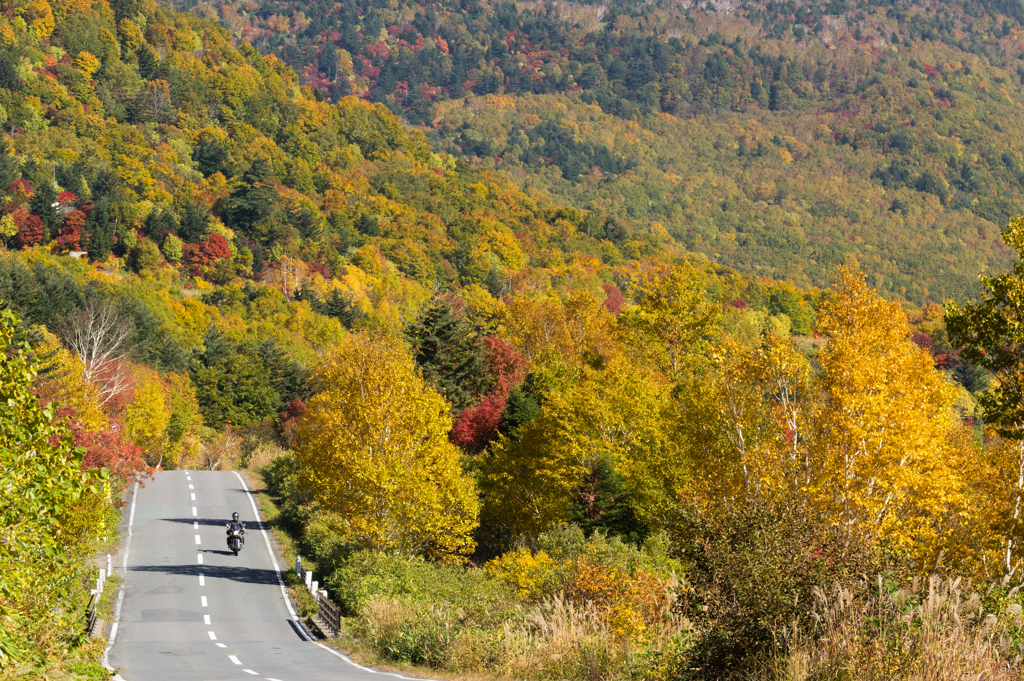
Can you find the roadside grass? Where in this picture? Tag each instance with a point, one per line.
(108, 599)
(77, 664)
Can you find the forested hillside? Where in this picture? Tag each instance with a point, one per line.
(796, 134)
(515, 438)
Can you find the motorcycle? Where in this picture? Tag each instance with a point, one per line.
(235, 540)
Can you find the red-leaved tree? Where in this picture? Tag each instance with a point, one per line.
(477, 426)
(614, 300)
(197, 256)
(288, 420)
(30, 228)
(107, 449)
(70, 238)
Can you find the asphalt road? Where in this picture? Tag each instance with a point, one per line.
(192, 611)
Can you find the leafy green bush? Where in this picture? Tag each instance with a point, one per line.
(407, 632)
(366, 574)
(753, 569)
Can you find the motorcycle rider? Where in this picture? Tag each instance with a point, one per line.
(236, 524)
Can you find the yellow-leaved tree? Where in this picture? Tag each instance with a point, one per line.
(623, 415)
(148, 415)
(375, 452)
(674, 322)
(764, 396)
(883, 459)
(66, 384)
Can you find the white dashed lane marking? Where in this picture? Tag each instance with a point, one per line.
(249, 671)
(194, 512)
(193, 496)
(204, 602)
(270, 679)
(234, 659)
(199, 557)
(191, 487)
(221, 645)
(206, 619)
(198, 540)
(202, 579)
(213, 636)
(195, 525)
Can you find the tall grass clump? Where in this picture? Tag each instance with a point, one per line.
(935, 629)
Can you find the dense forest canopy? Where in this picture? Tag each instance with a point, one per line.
(798, 134)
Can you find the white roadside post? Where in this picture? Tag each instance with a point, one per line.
(298, 566)
(309, 578)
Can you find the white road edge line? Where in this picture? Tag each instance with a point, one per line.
(284, 592)
(120, 595)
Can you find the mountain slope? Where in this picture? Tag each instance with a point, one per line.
(813, 132)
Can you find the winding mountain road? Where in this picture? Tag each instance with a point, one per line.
(192, 611)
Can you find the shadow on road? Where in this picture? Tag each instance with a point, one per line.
(209, 522)
(239, 490)
(244, 575)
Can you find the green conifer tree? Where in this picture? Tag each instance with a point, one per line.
(449, 352)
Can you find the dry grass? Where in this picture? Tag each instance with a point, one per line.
(262, 454)
(937, 630)
(556, 640)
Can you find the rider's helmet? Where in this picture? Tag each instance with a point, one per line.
(234, 516)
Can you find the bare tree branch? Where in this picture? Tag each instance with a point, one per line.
(101, 338)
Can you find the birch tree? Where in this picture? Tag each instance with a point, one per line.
(101, 338)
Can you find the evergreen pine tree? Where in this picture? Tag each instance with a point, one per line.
(41, 205)
(341, 306)
(287, 377)
(195, 223)
(217, 348)
(253, 199)
(8, 74)
(101, 232)
(449, 353)
(157, 222)
(521, 407)
(602, 502)
(149, 62)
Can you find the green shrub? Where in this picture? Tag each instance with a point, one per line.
(365, 574)
(753, 569)
(402, 630)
